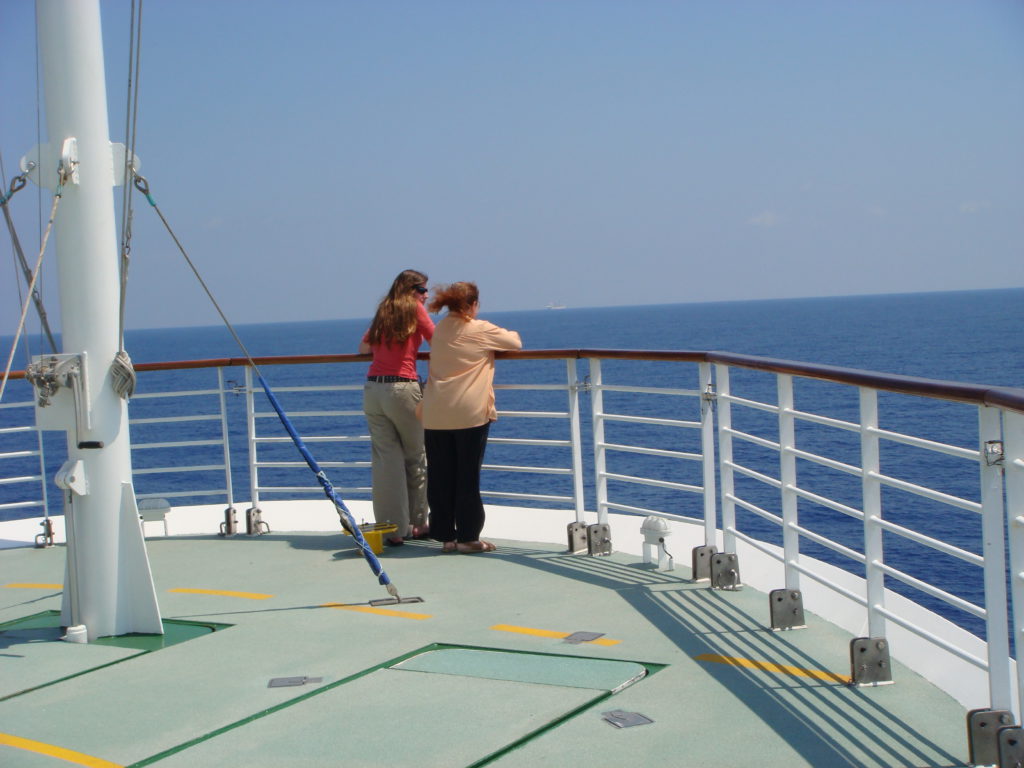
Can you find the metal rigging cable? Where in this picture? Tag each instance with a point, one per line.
(121, 369)
(345, 515)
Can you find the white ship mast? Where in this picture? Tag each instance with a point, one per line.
(108, 584)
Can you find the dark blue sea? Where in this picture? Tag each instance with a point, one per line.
(965, 336)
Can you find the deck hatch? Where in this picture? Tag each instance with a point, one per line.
(493, 700)
(540, 669)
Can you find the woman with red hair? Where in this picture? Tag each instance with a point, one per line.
(458, 408)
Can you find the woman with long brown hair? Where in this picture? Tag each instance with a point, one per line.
(390, 397)
(458, 408)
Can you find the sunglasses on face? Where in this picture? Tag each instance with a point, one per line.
(420, 288)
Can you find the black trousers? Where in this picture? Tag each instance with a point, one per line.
(454, 459)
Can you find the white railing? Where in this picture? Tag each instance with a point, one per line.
(811, 462)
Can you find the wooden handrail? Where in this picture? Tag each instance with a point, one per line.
(1009, 398)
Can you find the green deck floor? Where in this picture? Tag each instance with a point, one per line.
(297, 605)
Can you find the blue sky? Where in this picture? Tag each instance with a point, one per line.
(587, 153)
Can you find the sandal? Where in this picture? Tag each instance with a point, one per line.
(449, 547)
(420, 532)
(469, 547)
(394, 541)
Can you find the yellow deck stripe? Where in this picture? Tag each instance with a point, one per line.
(378, 611)
(550, 633)
(27, 585)
(48, 749)
(223, 593)
(767, 666)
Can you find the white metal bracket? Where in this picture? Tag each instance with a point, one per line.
(69, 160)
(71, 477)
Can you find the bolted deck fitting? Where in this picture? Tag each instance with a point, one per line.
(983, 729)
(700, 562)
(577, 535)
(725, 571)
(230, 525)
(599, 539)
(869, 661)
(254, 525)
(786, 607)
(1011, 747)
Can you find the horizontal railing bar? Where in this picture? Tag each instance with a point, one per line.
(304, 465)
(753, 474)
(754, 404)
(314, 490)
(174, 393)
(827, 421)
(748, 438)
(533, 470)
(825, 461)
(928, 589)
(165, 470)
(18, 454)
(184, 443)
(176, 419)
(650, 482)
(835, 546)
(769, 516)
(927, 493)
(647, 390)
(534, 414)
(523, 441)
(928, 541)
(530, 496)
(16, 430)
(21, 504)
(930, 445)
(624, 419)
(315, 439)
(533, 387)
(24, 479)
(849, 594)
(183, 494)
(933, 638)
(803, 493)
(306, 414)
(651, 451)
(650, 512)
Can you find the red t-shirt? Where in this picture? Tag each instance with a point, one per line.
(400, 359)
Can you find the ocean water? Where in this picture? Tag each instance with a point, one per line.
(968, 336)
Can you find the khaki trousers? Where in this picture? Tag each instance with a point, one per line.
(398, 458)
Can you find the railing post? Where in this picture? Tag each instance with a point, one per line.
(787, 477)
(993, 544)
(225, 439)
(726, 474)
(871, 492)
(707, 446)
(579, 499)
(1013, 466)
(230, 524)
(984, 725)
(250, 419)
(597, 413)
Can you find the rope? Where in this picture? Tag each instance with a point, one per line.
(35, 275)
(347, 521)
